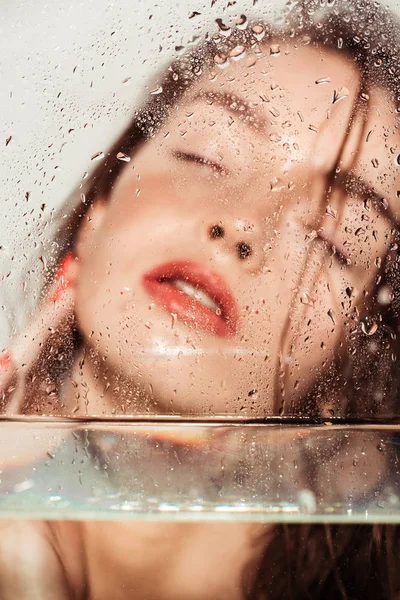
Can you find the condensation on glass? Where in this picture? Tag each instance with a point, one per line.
(210, 322)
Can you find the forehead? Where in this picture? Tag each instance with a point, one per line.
(314, 100)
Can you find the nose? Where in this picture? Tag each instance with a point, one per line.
(241, 238)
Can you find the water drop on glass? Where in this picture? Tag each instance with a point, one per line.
(340, 94)
(331, 212)
(369, 328)
(323, 80)
(157, 90)
(241, 22)
(332, 315)
(224, 29)
(97, 156)
(258, 31)
(221, 60)
(275, 50)
(375, 163)
(237, 53)
(306, 299)
(123, 157)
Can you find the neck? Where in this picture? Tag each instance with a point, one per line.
(96, 389)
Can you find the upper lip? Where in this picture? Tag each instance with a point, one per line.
(198, 275)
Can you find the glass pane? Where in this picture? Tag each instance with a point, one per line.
(199, 352)
(235, 251)
(199, 472)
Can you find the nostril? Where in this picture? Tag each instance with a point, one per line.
(216, 231)
(244, 250)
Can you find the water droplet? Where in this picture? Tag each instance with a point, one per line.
(375, 163)
(277, 185)
(275, 138)
(123, 157)
(251, 61)
(258, 31)
(126, 80)
(174, 318)
(275, 50)
(306, 299)
(340, 94)
(331, 212)
(340, 43)
(241, 22)
(312, 235)
(378, 262)
(274, 111)
(8, 140)
(398, 160)
(369, 328)
(323, 80)
(221, 60)
(218, 312)
(384, 203)
(224, 29)
(237, 53)
(364, 97)
(194, 14)
(157, 90)
(97, 156)
(332, 315)
(350, 291)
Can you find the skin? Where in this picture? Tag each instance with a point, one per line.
(265, 187)
(179, 201)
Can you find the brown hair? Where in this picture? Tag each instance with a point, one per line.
(367, 33)
(308, 561)
(329, 562)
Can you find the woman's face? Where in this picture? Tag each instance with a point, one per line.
(226, 267)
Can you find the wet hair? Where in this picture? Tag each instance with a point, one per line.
(308, 561)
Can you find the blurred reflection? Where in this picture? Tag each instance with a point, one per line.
(234, 254)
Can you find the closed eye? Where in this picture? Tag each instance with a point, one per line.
(335, 252)
(200, 160)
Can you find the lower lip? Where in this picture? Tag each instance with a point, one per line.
(187, 309)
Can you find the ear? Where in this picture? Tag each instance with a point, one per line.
(89, 226)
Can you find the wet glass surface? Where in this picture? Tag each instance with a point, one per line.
(199, 301)
(199, 472)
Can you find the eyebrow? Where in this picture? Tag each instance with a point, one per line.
(236, 106)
